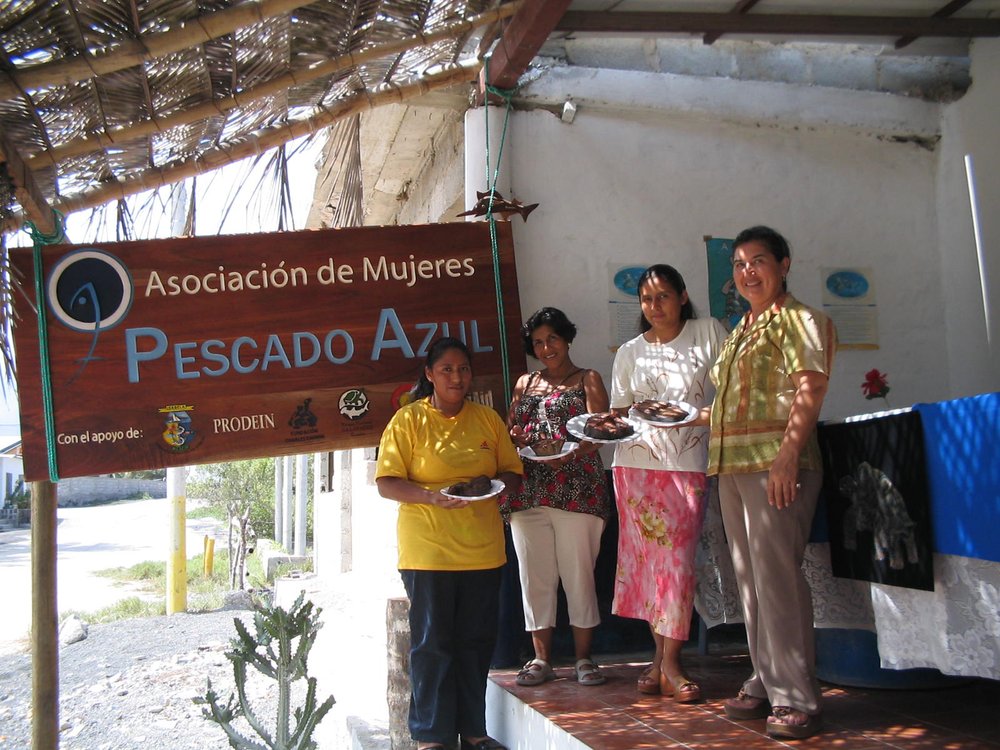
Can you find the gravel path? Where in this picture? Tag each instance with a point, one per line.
(130, 684)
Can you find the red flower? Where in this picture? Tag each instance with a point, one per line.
(876, 385)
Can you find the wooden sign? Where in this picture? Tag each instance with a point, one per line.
(186, 351)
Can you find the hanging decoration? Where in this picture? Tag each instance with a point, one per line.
(492, 204)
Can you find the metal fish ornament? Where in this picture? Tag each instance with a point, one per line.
(501, 207)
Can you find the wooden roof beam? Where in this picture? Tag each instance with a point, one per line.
(741, 7)
(953, 7)
(26, 190)
(758, 23)
(521, 39)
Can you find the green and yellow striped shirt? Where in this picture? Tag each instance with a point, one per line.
(754, 388)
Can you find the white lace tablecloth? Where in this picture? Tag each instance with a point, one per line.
(954, 629)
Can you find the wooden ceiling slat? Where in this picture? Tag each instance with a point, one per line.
(953, 7)
(756, 23)
(135, 52)
(741, 7)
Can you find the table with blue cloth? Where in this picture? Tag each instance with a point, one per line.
(955, 628)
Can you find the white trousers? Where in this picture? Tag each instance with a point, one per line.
(554, 544)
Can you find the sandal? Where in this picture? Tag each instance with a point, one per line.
(746, 707)
(535, 672)
(588, 673)
(681, 688)
(790, 723)
(648, 683)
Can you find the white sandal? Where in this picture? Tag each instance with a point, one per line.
(535, 672)
(588, 673)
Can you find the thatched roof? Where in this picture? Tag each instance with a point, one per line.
(105, 98)
(102, 98)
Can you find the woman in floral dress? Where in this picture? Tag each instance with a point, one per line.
(558, 516)
(659, 479)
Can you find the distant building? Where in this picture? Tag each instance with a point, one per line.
(11, 465)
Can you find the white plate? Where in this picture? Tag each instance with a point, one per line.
(529, 453)
(692, 415)
(496, 487)
(577, 424)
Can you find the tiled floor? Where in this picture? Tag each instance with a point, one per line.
(614, 716)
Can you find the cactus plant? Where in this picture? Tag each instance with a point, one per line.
(279, 651)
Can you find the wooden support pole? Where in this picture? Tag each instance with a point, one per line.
(44, 619)
(44, 502)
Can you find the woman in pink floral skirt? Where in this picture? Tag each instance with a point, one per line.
(659, 479)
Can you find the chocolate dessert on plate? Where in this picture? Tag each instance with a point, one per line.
(548, 446)
(659, 411)
(476, 487)
(607, 426)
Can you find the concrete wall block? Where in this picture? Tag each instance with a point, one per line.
(845, 71)
(398, 678)
(716, 61)
(608, 53)
(760, 62)
(908, 75)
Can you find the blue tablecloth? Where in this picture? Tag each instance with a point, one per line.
(962, 448)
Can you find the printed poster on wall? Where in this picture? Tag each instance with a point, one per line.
(849, 300)
(197, 350)
(724, 301)
(624, 310)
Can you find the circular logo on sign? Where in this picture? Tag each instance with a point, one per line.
(354, 403)
(89, 290)
(401, 396)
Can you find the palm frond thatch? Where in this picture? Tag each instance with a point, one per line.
(167, 81)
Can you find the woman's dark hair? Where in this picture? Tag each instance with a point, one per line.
(548, 316)
(673, 277)
(770, 239)
(423, 387)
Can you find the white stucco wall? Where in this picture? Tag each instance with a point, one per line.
(653, 162)
(970, 126)
(642, 184)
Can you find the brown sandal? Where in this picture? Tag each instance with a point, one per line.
(648, 684)
(682, 689)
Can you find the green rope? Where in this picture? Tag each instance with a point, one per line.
(40, 239)
(506, 95)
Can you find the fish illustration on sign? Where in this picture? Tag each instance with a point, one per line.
(501, 206)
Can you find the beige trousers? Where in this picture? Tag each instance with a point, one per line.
(767, 546)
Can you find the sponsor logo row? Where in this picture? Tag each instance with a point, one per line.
(183, 430)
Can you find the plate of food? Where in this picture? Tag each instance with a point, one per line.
(548, 450)
(479, 488)
(663, 413)
(602, 427)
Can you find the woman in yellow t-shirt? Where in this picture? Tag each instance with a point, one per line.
(450, 550)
